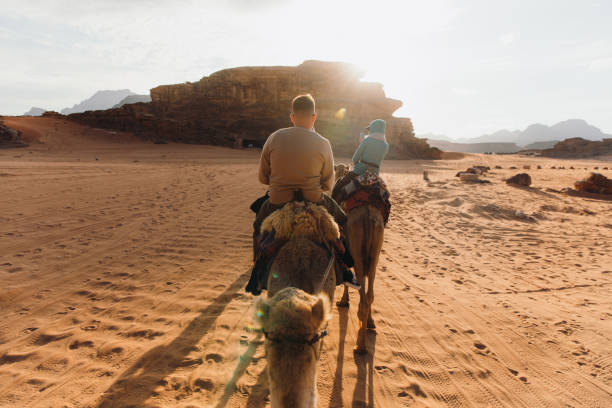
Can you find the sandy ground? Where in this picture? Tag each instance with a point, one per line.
(122, 267)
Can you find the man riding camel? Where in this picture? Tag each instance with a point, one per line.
(297, 162)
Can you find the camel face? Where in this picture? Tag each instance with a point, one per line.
(292, 385)
(341, 170)
(290, 320)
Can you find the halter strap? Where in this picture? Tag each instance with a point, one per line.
(318, 336)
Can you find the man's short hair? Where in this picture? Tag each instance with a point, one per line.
(303, 104)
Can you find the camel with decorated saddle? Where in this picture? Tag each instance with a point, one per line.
(300, 284)
(365, 199)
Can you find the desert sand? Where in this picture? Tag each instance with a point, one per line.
(123, 263)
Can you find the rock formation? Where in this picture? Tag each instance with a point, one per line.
(474, 170)
(133, 99)
(521, 179)
(10, 138)
(578, 147)
(595, 183)
(244, 105)
(52, 114)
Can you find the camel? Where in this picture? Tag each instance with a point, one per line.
(301, 286)
(365, 230)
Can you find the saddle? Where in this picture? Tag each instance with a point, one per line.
(296, 218)
(354, 190)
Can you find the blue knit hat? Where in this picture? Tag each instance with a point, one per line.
(377, 126)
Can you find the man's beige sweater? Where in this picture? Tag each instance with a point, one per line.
(296, 158)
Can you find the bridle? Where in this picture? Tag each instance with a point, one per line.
(330, 265)
(312, 342)
(296, 340)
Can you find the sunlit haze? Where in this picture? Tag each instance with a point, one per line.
(462, 68)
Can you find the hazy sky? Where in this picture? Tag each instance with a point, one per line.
(462, 68)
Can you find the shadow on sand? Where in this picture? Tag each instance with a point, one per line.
(584, 194)
(257, 392)
(137, 384)
(533, 190)
(335, 400)
(258, 396)
(365, 375)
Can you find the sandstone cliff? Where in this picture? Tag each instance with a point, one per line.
(242, 106)
(577, 147)
(133, 99)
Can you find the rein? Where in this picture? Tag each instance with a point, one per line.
(330, 265)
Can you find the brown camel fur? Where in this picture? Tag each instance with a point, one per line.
(365, 230)
(297, 308)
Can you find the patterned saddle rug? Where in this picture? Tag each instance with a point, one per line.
(354, 190)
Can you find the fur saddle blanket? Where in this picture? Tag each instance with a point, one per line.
(302, 219)
(294, 219)
(353, 190)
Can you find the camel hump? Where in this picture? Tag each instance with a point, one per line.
(302, 219)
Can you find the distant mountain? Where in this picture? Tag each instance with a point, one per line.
(578, 128)
(432, 136)
(541, 145)
(541, 133)
(474, 147)
(536, 133)
(34, 111)
(101, 100)
(501, 136)
(133, 99)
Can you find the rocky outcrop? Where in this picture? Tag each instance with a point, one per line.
(133, 99)
(577, 147)
(53, 114)
(521, 179)
(474, 170)
(595, 183)
(244, 105)
(10, 138)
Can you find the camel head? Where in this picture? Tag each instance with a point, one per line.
(292, 321)
(341, 169)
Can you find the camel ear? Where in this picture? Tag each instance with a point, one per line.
(262, 311)
(320, 312)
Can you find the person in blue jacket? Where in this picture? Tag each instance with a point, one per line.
(372, 149)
